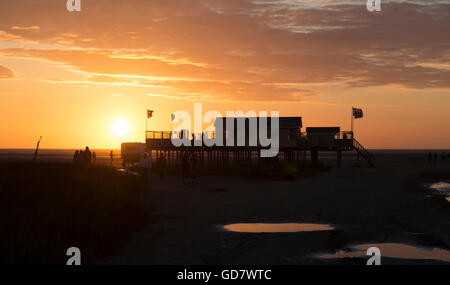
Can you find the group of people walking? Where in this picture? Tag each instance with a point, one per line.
(189, 164)
(85, 157)
(145, 166)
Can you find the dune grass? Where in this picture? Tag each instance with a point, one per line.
(46, 208)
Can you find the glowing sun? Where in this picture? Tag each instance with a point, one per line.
(120, 127)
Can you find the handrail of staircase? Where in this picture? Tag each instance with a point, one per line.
(362, 149)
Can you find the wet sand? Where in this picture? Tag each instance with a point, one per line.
(383, 204)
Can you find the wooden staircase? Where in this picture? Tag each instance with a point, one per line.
(361, 151)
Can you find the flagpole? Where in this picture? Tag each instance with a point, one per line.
(146, 124)
(148, 116)
(352, 121)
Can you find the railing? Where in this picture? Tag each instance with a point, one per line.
(211, 135)
(158, 135)
(344, 135)
(178, 134)
(342, 140)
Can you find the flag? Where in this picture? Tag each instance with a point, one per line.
(149, 114)
(357, 113)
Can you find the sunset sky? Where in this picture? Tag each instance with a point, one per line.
(69, 75)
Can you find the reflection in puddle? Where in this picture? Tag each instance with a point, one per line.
(396, 250)
(276, 228)
(443, 188)
(124, 170)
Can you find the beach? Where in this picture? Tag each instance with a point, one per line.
(229, 215)
(366, 205)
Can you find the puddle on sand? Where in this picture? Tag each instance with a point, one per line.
(277, 228)
(124, 170)
(443, 188)
(396, 250)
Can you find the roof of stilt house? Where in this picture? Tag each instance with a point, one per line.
(322, 129)
(284, 122)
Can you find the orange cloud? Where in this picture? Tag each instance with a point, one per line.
(4, 36)
(242, 49)
(6, 73)
(25, 28)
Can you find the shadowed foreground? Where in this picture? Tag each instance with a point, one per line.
(383, 204)
(49, 207)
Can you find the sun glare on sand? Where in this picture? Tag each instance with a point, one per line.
(120, 127)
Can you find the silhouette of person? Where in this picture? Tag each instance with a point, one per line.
(443, 156)
(193, 166)
(111, 155)
(429, 156)
(75, 156)
(80, 156)
(185, 166)
(94, 157)
(162, 165)
(435, 156)
(87, 155)
(145, 165)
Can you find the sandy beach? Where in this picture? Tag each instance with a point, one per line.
(383, 204)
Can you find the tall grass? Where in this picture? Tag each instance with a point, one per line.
(46, 208)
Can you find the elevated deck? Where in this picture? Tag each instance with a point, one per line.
(291, 148)
(161, 140)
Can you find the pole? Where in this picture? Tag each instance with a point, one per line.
(37, 149)
(352, 121)
(146, 121)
